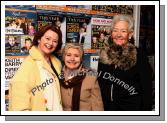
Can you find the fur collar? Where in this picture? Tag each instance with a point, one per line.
(124, 57)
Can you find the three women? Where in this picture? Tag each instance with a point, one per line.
(125, 75)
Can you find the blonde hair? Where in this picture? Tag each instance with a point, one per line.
(75, 46)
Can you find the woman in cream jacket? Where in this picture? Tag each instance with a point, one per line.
(35, 86)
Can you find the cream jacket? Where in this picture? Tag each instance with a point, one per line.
(26, 90)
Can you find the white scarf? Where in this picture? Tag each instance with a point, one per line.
(51, 91)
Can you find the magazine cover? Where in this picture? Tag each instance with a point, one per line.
(104, 8)
(18, 21)
(94, 58)
(12, 63)
(101, 30)
(26, 44)
(78, 30)
(121, 9)
(12, 44)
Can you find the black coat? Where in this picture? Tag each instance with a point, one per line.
(132, 88)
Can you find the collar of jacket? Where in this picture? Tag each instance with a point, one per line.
(75, 80)
(36, 55)
(124, 57)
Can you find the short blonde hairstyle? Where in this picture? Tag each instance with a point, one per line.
(74, 46)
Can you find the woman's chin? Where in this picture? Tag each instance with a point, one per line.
(48, 52)
(72, 68)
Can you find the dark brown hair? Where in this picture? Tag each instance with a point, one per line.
(28, 39)
(43, 30)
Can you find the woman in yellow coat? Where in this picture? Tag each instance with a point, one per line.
(35, 86)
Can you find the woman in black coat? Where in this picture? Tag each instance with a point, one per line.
(125, 76)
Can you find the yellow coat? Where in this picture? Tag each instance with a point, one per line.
(26, 78)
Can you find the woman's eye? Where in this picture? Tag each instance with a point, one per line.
(55, 41)
(76, 55)
(68, 54)
(124, 31)
(47, 38)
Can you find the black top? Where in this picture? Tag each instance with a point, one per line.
(16, 46)
(132, 89)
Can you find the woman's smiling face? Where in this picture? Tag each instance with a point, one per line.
(72, 58)
(48, 42)
(120, 33)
